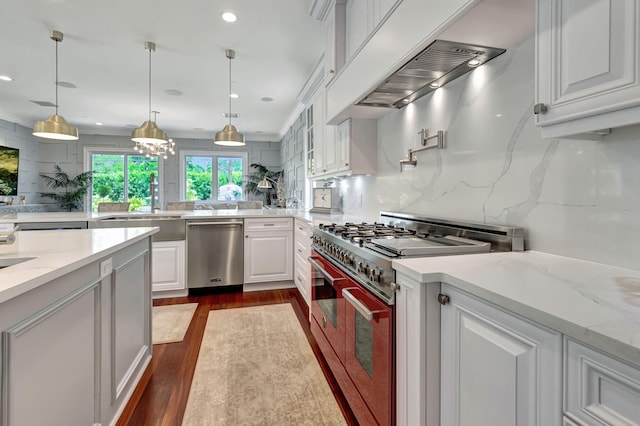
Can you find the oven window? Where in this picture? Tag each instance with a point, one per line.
(364, 343)
(327, 299)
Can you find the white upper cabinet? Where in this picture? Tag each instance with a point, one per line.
(363, 16)
(588, 77)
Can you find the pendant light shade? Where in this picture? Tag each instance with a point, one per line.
(56, 127)
(229, 135)
(149, 138)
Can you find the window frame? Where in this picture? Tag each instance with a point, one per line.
(214, 172)
(87, 164)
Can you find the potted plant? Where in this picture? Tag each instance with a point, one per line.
(261, 172)
(74, 188)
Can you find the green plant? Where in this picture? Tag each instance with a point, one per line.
(253, 178)
(74, 189)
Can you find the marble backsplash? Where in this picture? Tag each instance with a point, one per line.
(577, 198)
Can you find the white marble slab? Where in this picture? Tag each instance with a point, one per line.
(314, 218)
(56, 253)
(592, 302)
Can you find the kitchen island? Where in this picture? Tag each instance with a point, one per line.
(75, 317)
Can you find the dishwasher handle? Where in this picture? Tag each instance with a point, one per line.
(214, 223)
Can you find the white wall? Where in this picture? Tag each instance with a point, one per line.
(40, 157)
(578, 198)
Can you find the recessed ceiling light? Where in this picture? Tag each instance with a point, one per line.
(66, 84)
(234, 96)
(473, 63)
(173, 92)
(5, 78)
(98, 124)
(434, 85)
(229, 17)
(266, 99)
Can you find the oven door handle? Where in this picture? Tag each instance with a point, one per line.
(358, 305)
(323, 271)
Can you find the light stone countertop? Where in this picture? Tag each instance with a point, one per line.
(594, 303)
(312, 218)
(56, 253)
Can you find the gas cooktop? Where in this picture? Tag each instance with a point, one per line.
(365, 250)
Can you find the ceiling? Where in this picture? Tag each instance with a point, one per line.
(277, 45)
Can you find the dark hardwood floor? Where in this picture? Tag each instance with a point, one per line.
(161, 396)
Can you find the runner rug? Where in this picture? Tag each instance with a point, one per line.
(256, 367)
(170, 322)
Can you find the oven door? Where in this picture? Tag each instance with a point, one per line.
(369, 350)
(327, 305)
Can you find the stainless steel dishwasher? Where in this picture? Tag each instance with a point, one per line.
(215, 252)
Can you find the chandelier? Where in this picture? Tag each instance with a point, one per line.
(149, 138)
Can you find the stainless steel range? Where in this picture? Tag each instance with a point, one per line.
(353, 295)
(365, 250)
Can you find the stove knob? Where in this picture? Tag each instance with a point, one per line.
(360, 267)
(372, 274)
(365, 270)
(348, 260)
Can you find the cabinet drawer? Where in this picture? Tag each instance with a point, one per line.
(599, 390)
(302, 229)
(302, 248)
(301, 277)
(270, 224)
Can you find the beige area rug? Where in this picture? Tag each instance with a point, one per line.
(170, 322)
(256, 367)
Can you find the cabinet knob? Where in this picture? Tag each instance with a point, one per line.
(346, 164)
(443, 299)
(246, 236)
(331, 71)
(539, 109)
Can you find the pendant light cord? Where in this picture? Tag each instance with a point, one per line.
(229, 89)
(150, 84)
(56, 76)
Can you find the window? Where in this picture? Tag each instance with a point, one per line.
(119, 177)
(217, 176)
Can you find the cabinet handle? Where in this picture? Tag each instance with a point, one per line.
(299, 251)
(268, 224)
(443, 299)
(539, 109)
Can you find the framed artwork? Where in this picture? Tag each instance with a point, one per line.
(9, 170)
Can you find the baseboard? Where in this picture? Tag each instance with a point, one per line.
(273, 285)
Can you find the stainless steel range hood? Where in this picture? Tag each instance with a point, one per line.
(438, 64)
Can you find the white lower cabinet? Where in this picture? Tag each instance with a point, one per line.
(302, 250)
(497, 368)
(168, 266)
(268, 250)
(599, 390)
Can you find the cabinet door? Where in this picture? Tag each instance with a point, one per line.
(497, 369)
(268, 256)
(343, 142)
(357, 25)
(168, 266)
(587, 72)
(318, 132)
(599, 390)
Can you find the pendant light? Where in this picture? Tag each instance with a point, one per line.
(149, 138)
(56, 127)
(229, 135)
